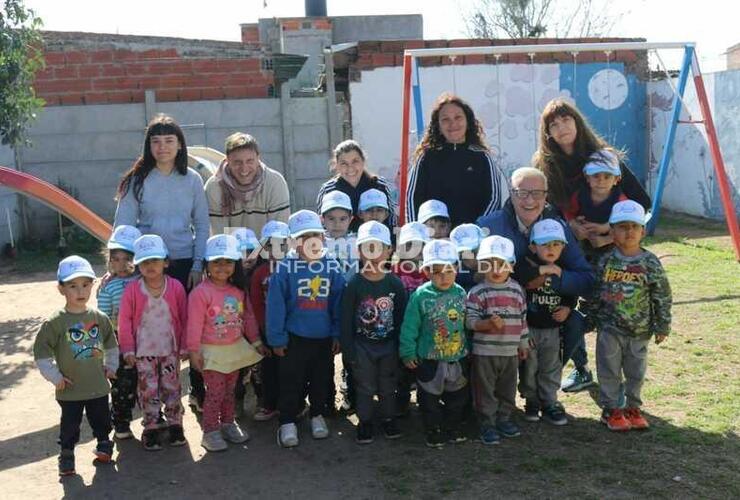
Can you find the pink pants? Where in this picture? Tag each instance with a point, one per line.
(218, 407)
(159, 382)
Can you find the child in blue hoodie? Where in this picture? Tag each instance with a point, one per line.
(303, 318)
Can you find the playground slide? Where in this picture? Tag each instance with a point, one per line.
(56, 199)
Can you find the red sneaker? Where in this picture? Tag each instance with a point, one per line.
(636, 420)
(615, 420)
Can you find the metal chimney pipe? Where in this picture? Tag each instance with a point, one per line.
(315, 8)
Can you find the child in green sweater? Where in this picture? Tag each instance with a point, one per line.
(434, 344)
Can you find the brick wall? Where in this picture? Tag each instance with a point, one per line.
(372, 55)
(105, 69)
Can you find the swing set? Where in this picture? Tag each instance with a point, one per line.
(690, 64)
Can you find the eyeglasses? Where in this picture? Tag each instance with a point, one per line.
(536, 194)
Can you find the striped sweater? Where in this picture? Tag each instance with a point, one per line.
(509, 302)
(109, 297)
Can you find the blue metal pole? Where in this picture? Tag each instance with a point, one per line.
(418, 112)
(665, 158)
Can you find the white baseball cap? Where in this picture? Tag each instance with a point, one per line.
(628, 210)
(246, 238)
(467, 237)
(304, 221)
(413, 231)
(497, 247)
(73, 267)
(274, 229)
(123, 238)
(335, 199)
(373, 231)
(373, 198)
(602, 160)
(223, 246)
(439, 252)
(432, 208)
(547, 230)
(149, 246)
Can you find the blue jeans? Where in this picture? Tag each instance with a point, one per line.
(574, 345)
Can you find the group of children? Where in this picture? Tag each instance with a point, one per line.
(437, 308)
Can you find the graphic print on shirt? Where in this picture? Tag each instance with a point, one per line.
(625, 290)
(226, 316)
(545, 297)
(84, 340)
(447, 322)
(313, 292)
(375, 317)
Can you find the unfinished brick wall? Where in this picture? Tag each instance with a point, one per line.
(371, 55)
(108, 69)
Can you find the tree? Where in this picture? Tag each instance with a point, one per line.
(21, 55)
(537, 18)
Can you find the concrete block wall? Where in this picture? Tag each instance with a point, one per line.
(8, 201)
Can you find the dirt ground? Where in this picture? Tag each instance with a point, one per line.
(581, 459)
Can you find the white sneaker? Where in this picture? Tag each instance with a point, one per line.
(319, 430)
(287, 436)
(233, 433)
(213, 441)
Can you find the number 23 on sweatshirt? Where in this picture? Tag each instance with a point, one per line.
(304, 299)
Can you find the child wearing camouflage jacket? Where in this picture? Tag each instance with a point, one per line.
(631, 304)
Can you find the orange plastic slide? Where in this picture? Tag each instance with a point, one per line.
(56, 199)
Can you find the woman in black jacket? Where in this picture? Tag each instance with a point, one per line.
(453, 165)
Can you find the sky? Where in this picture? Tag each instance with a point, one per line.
(713, 26)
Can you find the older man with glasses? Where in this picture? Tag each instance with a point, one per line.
(527, 205)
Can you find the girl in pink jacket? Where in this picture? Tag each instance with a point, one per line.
(151, 331)
(219, 319)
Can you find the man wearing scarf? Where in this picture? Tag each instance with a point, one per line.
(244, 192)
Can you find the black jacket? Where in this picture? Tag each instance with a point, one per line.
(462, 176)
(354, 192)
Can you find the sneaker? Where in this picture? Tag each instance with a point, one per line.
(636, 420)
(123, 431)
(233, 433)
(488, 436)
(263, 414)
(195, 404)
(390, 429)
(455, 436)
(66, 463)
(319, 430)
(615, 420)
(531, 412)
(177, 436)
(508, 429)
(435, 438)
(555, 414)
(151, 441)
(287, 436)
(578, 380)
(213, 441)
(364, 433)
(104, 451)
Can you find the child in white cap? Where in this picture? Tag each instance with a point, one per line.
(76, 350)
(496, 314)
(121, 273)
(630, 305)
(151, 330)
(274, 240)
(591, 205)
(434, 215)
(434, 344)
(374, 206)
(303, 316)
(373, 305)
(467, 237)
(248, 246)
(222, 338)
(548, 309)
(336, 215)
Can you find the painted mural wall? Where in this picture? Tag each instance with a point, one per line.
(508, 99)
(691, 186)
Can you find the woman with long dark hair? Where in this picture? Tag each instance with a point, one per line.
(161, 195)
(453, 165)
